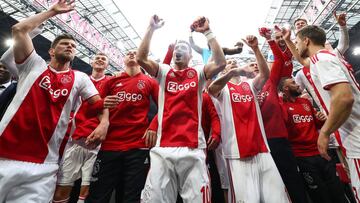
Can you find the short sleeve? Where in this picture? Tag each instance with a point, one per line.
(330, 71)
(31, 63)
(87, 88)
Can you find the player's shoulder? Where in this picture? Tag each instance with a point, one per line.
(323, 55)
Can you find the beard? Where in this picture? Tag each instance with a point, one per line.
(294, 93)
(63, 58)
(304, 53)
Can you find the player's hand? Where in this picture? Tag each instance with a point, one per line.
(172, 46)
(97, 136)
(111, 101)
(156, 22)
(286, 33)
(251, 41)
(265, 32)
(212, 143)
(340, 19)
(150, 137)
(62, 6)
(323, 143)
(201, 24)
(320, 116)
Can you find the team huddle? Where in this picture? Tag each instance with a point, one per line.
(269, 133)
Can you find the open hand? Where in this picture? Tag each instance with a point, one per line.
(62, 6)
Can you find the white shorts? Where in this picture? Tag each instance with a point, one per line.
(26, 182)
(173, 170)
(354, 168)
(221, 167)
(256, 179)
(77, 163)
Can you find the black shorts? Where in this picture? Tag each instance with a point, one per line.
(124, 171)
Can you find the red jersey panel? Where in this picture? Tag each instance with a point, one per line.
(268, 97)
(301, 122)
(128, 121)
(179, 114)
(85, 125)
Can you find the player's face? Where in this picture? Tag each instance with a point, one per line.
(300, 24)
(181, 55)
(230, 64)
(130, 58)
(64, 51)
(252, 69)
(292, 88)
(302, 46)
(279, 39)
(4, 74)
(100, 62)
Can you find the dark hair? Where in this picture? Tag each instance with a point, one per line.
(300, 19)
(281, 83)
(60, 37)
(316, 34)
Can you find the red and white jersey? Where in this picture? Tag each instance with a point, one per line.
(179, 112)
(327, 70)
(242, 129)
(37, 119)
(302, 126)
(85, 124)
(128, 121)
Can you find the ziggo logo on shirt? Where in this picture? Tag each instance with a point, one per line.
(236, 97)
(45, 83)
(125, 96)
(174, 87)
(302, 119)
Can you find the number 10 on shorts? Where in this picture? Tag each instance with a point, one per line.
(206, 194)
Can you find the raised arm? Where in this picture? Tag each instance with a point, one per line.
(193, 45)
(218, 62)
(8, 57)
(23, 45)
(286, 35)
(142, 56)
(263, 75)
(343, 44)
(233, 71)
(236, 50)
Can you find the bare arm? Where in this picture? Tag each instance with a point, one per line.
(304, 61)
(216, 86)
(218, 61)
(193, 45)
(340, 107)
(8, 57)
(232, 51)
(142, 56)
(263, 75)
(23, 45)
(341, 102)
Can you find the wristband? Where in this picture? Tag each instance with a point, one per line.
(209, 35)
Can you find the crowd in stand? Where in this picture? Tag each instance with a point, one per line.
(223, 132)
